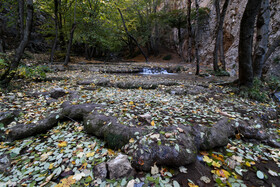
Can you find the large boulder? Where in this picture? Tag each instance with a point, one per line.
(120, 167)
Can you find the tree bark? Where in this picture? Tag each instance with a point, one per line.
(56, 30)
(219, 45)
(197, 37)
(218, 18)
(130, 36)
(189, 26)
(9, 74)
(272, 48)
(71, 38)
(2, 48)
(261, 38)
(246, 42)
(21, 18)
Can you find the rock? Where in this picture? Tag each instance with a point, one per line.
(7, 117)
(100, 171)
(57, 93)
(120, 167)
(5, 163)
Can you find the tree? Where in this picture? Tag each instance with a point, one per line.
(67, 58)
(246, 42)
(261, 38)
(219, 45)
(189, 26)
(197, 37)
(21, 18)
(8, 75)
(131, 37)
(56, 30)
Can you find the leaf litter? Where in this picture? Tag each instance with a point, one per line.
(67, 151)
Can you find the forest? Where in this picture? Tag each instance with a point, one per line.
(139, 93)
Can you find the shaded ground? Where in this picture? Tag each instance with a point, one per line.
(170, 101)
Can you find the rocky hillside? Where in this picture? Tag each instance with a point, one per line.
(231, 31)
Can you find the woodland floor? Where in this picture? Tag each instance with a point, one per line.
(66, 150)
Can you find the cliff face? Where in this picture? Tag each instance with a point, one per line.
(231, 31)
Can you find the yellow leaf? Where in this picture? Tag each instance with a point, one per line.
(221, 173)
(51, 166)
(231, 93)
(111, 152)
(247, 164)
(131, 103)
(90, 154)
(207, 159)
(216, 164)
(131, 140)
(62, 144)
(66, 182)
(192, 185)
(140, 88)
(153, 123)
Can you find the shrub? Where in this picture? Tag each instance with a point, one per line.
(256, 92)
(36, 72)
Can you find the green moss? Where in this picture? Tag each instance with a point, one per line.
(115, 141)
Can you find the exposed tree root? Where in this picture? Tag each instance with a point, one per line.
(170, 146)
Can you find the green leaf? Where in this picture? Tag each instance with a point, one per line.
(176, 184)
(260, 175)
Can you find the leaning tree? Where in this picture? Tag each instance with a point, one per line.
(10, 71)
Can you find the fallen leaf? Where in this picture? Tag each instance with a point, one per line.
(90, 154)
(205, 179)
(154, 170)
(153, 123)
(62, 144)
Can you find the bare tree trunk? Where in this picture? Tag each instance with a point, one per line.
(221, 24)
(197, 38)
(261, 38)
(189, 26)
(181, 52)
(2, 48)
(156, 32)
(21, 18)
(218, 38)
(71, 38)
(130, 36)
(219, 45)
(246, 42)
(56, 30)
(9, 74)
(272, 48)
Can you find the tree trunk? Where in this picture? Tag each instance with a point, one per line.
(130, 36)
(56, 30)
(246, 42)
(71, 38)
(21, 18)
(9, 74)
(272, 48)
(197, 38)
(181, 52)
(2, 48)
(219, 45)
(218, 38)
(189, 26)
(261, 38)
